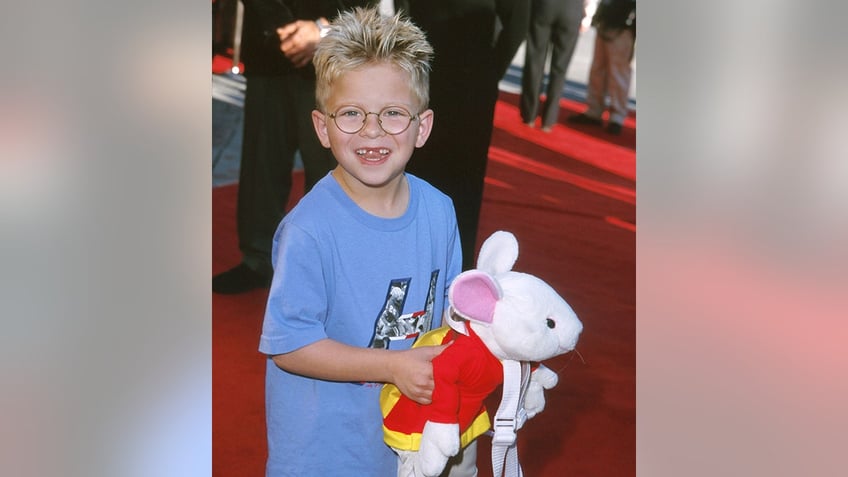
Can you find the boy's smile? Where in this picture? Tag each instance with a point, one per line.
(373, 155)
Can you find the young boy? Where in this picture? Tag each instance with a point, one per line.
(362, 263)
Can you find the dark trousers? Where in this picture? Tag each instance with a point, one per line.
(455, 156)
(277, 123)
(554, 27)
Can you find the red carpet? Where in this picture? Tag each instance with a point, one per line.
(569, 197)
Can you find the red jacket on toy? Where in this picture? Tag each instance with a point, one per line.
(466, 372)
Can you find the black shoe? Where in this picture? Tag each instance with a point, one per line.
(583, 119)
(614, 128)
(239, 280)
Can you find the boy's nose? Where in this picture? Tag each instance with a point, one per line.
(372, 128)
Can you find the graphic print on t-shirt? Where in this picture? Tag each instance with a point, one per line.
(392, 324)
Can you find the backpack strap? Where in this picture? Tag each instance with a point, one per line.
(509, 418)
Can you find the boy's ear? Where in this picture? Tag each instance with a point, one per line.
(425, 125)
(319, 120)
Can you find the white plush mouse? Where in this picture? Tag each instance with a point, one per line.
(494, 314)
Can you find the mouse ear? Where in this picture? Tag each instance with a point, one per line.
(473, 296)
(498, 253)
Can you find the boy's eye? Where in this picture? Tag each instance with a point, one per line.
(394, 113)
(349, 113)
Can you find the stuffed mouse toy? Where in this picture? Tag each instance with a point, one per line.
(494, 314)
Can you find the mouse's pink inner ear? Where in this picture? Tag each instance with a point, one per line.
(474, 294)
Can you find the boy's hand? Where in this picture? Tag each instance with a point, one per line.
(298, 41)
(412, 372)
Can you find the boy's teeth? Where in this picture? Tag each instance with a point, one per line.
(363, 152)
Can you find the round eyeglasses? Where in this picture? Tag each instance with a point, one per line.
(392, 119)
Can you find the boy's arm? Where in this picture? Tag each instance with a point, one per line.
(410, 370)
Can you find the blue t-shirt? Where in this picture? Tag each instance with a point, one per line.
(344, 274)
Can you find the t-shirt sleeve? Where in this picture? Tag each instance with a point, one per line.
(452, 252)
(297, 302)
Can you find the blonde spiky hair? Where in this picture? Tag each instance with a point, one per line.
(364, 36)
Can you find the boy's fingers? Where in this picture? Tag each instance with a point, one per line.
(438, 349)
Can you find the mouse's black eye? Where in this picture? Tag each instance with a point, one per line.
(551, 323)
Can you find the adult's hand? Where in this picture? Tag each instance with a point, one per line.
(298, 41)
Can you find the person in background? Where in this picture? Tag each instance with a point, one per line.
(223, 25)
(609, 76)
(474, 41)
(554, 27)
(370, 250)
(278, 41)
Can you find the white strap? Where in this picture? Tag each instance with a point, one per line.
(509, 418)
